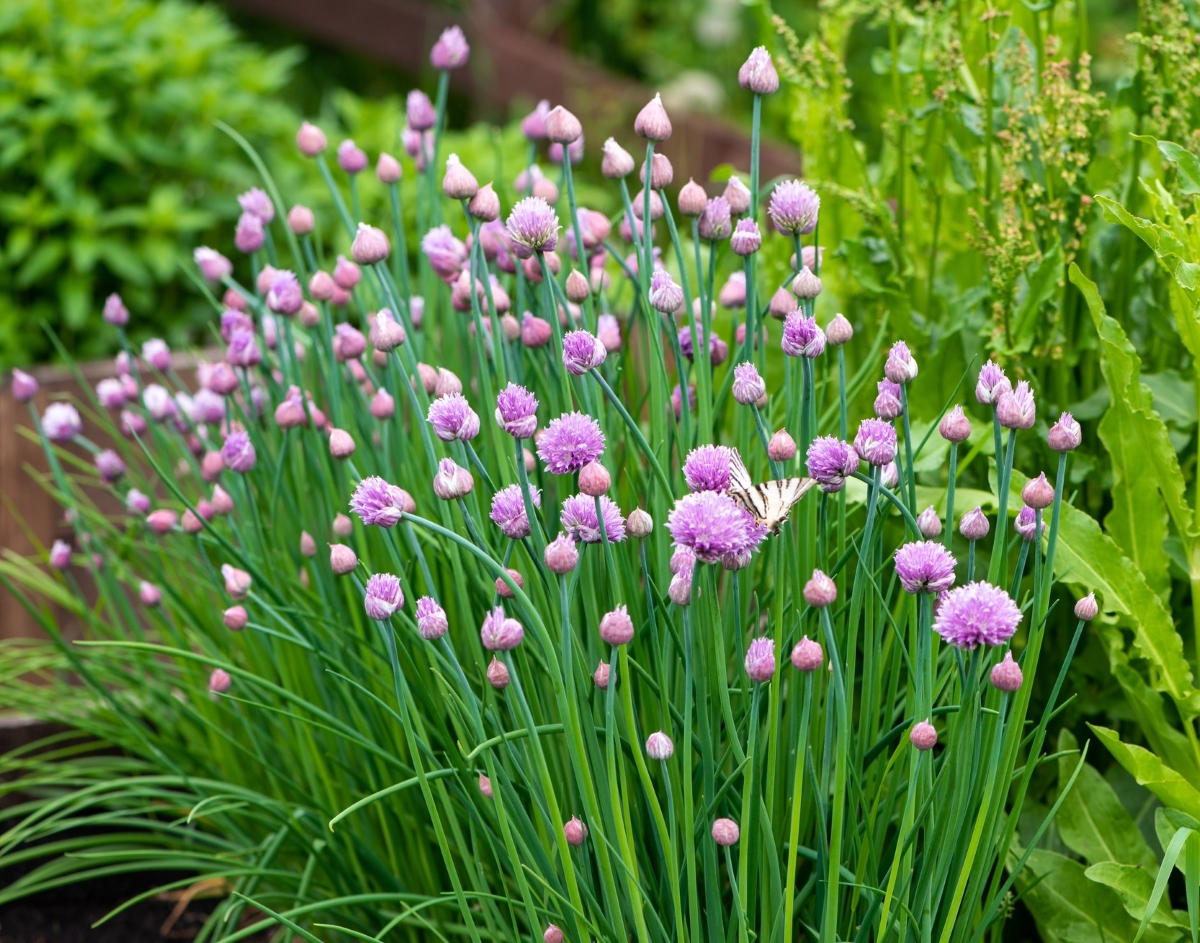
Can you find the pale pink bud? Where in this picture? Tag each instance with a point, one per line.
(497, 674)
(807, 655)
(485, 786)
(235, 618)
(1007, 675)
(311, 140)
(652, 121)
(503, 590)
(594, 479)
(820, 590)
(725, 832)
(575, 832)
(219, 681)
(1087, 609)
(782, 447)
(659, 746)
(923, 736)
(1038, 493)
(300, 220)
(601, 675)
(616, 628)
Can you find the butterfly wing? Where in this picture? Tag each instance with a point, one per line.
(739, 477)
(777, 499)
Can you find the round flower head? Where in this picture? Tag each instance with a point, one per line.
(1038, 493)
(453, 419)
(458, 183)
(1007, 675)
(876, 442)
(707, 468)
(431, 618)
(310, 139)
(594, 479)
(60, 555)
(955, 426)
(109, 465)
(711, 525)
(575, 832)
(794, 207)
(497, 674)
(976, 614)
(219, 681)
(570, 441)
(725, 832)
(974, 525)
(248, 234)
(991, 384)
(508, 510)
(115, 311)
(758, 74)
(256, 202)
(923, 736)
(237, 582)
(1015, 409)
(807, 655)
(238, 453)
(929, 523)
(601, 675)
(235, 618)
(377, 503)
(61, 422)
(745, 239)
(213, 266)
(342, 559)
(582, 351)
(839, 330)
(452, 481)
(802, 337)
(659, 747)
(782, 447)
(900, 366)
(665, 295)
(888, 404)
(1026, 524)
(500, 633)
(388, 169)
(561, 556)
(580, 523)
(925, 566)
(652, 121)
(748, 386)
(516, 411)
(383, 596)
(561, 126)
(149, 594)
(617, 162)
(284, 295)
(831, 461)
(715, 222)
(451, 50)
(420, 114)
(691, 199)
(1087, 608)
(760, 660)
(1065, 435)
(533, 227)
(351, 158)
(445, 252)
(616, 628)
(552, 935)
(806, 285)
(370, 246)
(737, 195)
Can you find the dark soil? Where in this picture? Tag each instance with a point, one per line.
(67, 915)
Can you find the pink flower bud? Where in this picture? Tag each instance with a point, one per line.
(237, 582)
(820, 590)
(235, 618)
(485, 204)
(497, 674)
(594, 479)
(929, 523)
(601, 675)
(782, 447)
(300, 220)
(955, 426)
(343, 526)
(807, 655)
(1065, 435)
(758, 74)
(383, 406)
(561, 556)
(60, 555)
(639, 524)
(923, 736)
(575, 832)
(552, 935)
(1007, 676)
(652, 121)
(485, 786)
(839, 330)
(149, 594)
(760, 660)
(725, 832)
(1087, 609)
(308, 546)
(458, 183)
(562, 127)
(370, 245)
(162, 520)
(503, 590)
(1038, 493)
(221, 501)
(342, 559)
(219, 681)
(692, 199)
(616, 628)
(659, 746)
(974, 525)
(190, 523)
(310, 139)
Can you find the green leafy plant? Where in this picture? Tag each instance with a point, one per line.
(113, 168)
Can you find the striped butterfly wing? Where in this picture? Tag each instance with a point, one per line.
(777, 498)
(742, 489)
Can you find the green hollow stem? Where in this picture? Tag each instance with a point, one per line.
(635, 430)
(789, 890)
(833, 871)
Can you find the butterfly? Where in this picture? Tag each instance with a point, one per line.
(770, 502)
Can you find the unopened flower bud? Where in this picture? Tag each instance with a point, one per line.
(616, 628)
(342, 559)
(1038, 493)
(923, 736)
(503, 590)
(692, 199)
(782, 447)
(575, 832)
(659, 747)
(601, 675)
(929, 523)
(594, 479)
(311, 140)
(485, 204)
(1065, 435)
(388, 169)
(235, 618)
(219, 681)
(725, 832)
(562, 127)
(1087, 609)
(639, 524)
(341, 443)
(561, 556)
(974, 525)
(820, 590)
(617, 162)
(1007, 676)
(807, 655)
(652, 121)
(497, 674)
(300, 220)
(577, 287)
(370, 245)
(955, 426)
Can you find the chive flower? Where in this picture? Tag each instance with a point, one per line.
(977, 614)
(508, 510)
(570, 441)
(580, 523)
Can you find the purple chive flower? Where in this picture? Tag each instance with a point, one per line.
(900, 366)
(110, 392)
(453, 418)
(157, 354)
(516, 411)
(715, 222)
(207, 407)
(1026, 522)
(831, 461)
(710, 525)
(238, 452)
(383, 597)
(115, 312)
(570, 441)
(748, 386)
(1015, 409)
(876, 441)
(508, 510)
(579, 521)
(992, 383)
(285, 296)
(60, 555)
(925, 566)
(61, 422)
(707, 468)
(718, 350)
(582, 351)
(665, 295)
(445, 252)
(256, 202)
(451, 50)
(378, 503)
(109, 465)
(533, 227)
(351, 158)
(887, 404)
(976, 614)
(794, 207)
(746, 239)
(431, 619)
(233, 321)
(760, 660)
(500, 633)
(419, 111)
(248, 235)
(1065, 435)
(758, 74)
(533, 125)
(802, 337)
(243, 349)
(213, 266)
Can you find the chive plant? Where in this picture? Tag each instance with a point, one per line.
(439, 614)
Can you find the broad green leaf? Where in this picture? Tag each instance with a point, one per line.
(1134, 885)
(1168, 822)
(1184, 160)
(1071, 908)
(1164, 243)
(1174, 396)
(1043, 285)
(1121, 367)
(1187, 321)
(1092, 822)
(1151, 772)
(1089, 560)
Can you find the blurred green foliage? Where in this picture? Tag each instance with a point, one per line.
(112, 166)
